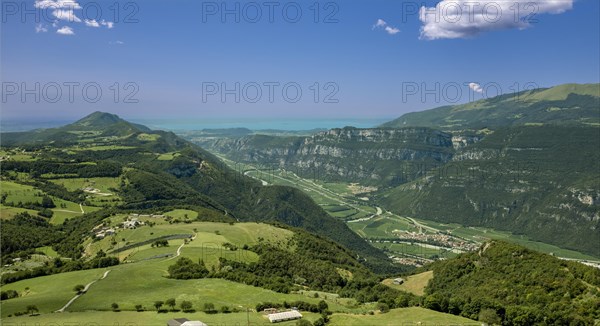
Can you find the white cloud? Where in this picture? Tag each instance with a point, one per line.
(383, 24)
(107, 23)
(116, 42)
(392, 30)
(67, 15)
(476, 87)
(64, 10)
(58, 4)
(65, 30)
(39, 28)
(466, 18)
(91, 23)
(380, 23)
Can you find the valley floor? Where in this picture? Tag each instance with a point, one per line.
(382, 228)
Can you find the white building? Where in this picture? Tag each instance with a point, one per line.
(283, 316)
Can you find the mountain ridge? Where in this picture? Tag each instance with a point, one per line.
(574, 104)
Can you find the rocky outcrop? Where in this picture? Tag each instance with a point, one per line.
(368, 156)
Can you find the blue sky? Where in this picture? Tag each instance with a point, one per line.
(172, 58)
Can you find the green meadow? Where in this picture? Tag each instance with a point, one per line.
(402, 316)
(24, 193)
(149, 318)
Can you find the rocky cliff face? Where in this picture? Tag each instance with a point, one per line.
(369, 156)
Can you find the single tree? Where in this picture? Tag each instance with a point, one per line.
(114, 306)
(323, 306)
(171, 303)
(383, 307)
(78, 288)
(209, 308)
(47, 202)
(158, 304)
(186, 306)
(31, 308)
(138, 308)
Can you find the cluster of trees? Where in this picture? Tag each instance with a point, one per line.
(185, 269)
(186, 306)
(508, 284)
(160, 243)
(23, 232)
(314, 263)
(321, 307)
(9, 294)
(371, 290)
(60, 266)
(65, 169)
(29, 310)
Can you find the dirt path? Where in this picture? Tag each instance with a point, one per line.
(181, 246)
(66, 211)
(82, 292)
(81, 207)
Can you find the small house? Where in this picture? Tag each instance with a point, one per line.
(185, 322)
(398, 281)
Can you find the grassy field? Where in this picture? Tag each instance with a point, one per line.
(181, 214)
(23, 193)
(48, 293)
(167, 156)
(148, 137)
(101, 148)
(207, 245)
(102, 184)
(148, 318)
(7, 212)
(382, 227)
(414, 283)
(414, 249)
(18, 156)
(48, 251)
(400, 317)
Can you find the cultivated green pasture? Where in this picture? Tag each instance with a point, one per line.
(400, 317)
(181, 214)
(101, 183)
(482, 234)
(7, 212)
(24, 193)
(147, 318)
(48, 293)
(381, 227)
